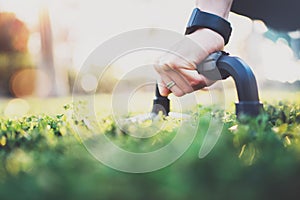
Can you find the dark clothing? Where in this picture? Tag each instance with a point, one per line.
(281, 15)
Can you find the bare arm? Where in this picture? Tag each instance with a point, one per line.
(218, 7)
(183, 71)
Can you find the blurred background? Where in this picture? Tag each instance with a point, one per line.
(44, 43)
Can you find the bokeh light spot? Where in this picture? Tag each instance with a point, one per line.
(16, 108)
(89, 82)
(23, 82)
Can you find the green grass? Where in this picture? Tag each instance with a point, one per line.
(42, 157)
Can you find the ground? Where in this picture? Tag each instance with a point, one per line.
(42, 157)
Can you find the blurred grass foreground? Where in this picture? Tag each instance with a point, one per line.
(43, 158)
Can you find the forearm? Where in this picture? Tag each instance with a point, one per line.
(218, 7)
(181, 73)
(209, 40)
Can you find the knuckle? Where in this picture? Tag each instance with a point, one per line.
(161, 67)
(167, 65)
(157, 68)
(179, 93)
(188, 90)
(173, 65)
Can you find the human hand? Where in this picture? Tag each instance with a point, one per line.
(177, 67)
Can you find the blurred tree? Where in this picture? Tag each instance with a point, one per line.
(13, 34)
(56, 75)
(14, 55)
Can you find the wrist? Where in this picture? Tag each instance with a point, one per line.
(209, 40)
(217, 25)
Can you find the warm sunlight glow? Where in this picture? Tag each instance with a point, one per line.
(25, 10)
(80, 26)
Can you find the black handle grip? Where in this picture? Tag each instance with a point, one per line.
(245, 83)
(243, 77)
(160, 103)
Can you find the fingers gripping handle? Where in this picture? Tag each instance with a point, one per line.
(207, 67)
(218, 66)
